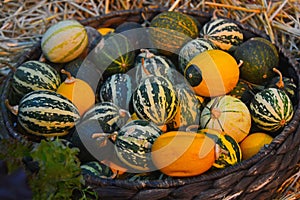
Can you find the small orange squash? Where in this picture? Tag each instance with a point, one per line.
(252, 144)
(77, 91)
(183, 154)
(212, 73)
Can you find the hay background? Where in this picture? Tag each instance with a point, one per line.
(22, 23)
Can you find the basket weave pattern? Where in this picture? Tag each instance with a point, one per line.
(256, 178)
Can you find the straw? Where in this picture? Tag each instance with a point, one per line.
(22, 23)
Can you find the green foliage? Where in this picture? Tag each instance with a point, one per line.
(59, 172)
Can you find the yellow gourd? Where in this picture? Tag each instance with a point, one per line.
(183, 154)
(252, 144)
(212, 73)
(77, 91)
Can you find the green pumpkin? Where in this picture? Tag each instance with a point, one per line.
(259, 57)
(170, 30)
(133, 144)
(224, 33)
(96, 169)
(155, 100)
(34, 75)
(114, 54)
(110, 117)
(189, 108)
(245, 91)
(91, 147)
(117, 89)
(271, 109)
(47, 113)
(136, 33)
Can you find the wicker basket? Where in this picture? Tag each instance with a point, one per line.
(256, 178)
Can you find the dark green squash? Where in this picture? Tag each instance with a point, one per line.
(136, 33)
(34, 75)
(155, 100)
(114, 54)
(47, 113)
(224, 33)
(133, 144)
(170, 30)
(271, 109)
(259, 57)
(117, 89)
(245, 91)
(91, 148)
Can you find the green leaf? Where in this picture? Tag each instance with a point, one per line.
(59, 173)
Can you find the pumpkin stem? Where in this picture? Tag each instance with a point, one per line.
(124, 65)
(148, 53)
(219, 151)
(70, 78)
(216, 113)
(215, 14)
(265, 76)
(12, 68)
(12, 109)
(163, 128)
(280, 83)
(240, 63)
(144, 68)
(103, 137)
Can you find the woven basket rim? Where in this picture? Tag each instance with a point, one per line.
(102, 21)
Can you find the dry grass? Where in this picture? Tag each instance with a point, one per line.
(23, 22)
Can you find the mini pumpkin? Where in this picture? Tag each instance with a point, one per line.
(170, 30)
(183, 154)
(212, 73)
(228, 114)
(77, 91)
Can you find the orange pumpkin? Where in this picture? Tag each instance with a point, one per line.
(183, 154)
(77, 91)
(212, 73)
(252, 144)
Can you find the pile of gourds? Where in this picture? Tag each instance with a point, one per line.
(169, 95)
